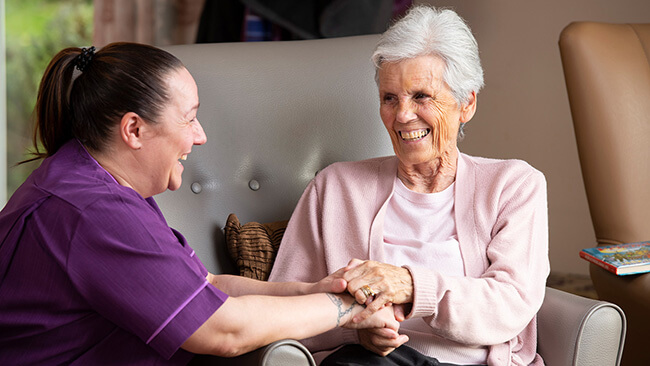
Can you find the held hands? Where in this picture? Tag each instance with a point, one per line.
(385, 318)
(382, 340)
(377, 285)
(388, 316)
(378, 328)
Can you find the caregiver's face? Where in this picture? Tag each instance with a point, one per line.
(178, 131)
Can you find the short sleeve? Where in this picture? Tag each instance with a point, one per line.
(140, 274)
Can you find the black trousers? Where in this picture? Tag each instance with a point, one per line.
(356, 355)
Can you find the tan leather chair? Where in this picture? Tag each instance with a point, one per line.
(277, 112)
(607, 71)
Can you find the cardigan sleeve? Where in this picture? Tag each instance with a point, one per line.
(301, 257)
(500, 304)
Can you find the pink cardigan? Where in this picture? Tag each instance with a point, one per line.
(502, 224)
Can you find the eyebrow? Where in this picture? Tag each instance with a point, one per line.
(195, 107)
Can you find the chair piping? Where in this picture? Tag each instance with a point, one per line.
(645, 50)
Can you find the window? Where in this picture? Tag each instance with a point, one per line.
(35, 31)
(3, 107)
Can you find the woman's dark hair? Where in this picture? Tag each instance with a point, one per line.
(120, 78)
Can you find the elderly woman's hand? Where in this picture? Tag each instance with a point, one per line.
(381, 341)
(377, 284)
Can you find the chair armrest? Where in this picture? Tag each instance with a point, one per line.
(574, 330)
(286, 352)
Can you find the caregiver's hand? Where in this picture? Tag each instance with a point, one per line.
(333, 283)
(382, 319)
(377, 284)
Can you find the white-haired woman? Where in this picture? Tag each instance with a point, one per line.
(463, 240)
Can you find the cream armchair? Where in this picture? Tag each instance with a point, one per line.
(275, 114)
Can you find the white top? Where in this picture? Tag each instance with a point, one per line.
(420, 230)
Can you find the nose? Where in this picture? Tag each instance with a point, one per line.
(199, 135)
(405, 112)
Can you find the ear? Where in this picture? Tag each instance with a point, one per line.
(467, 110)
(130, 130)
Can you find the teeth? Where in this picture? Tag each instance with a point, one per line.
(414, 135)
(184, 157)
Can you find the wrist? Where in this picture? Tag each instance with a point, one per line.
(346, 308)
(351, 308)
(306, 288)
(407, 278)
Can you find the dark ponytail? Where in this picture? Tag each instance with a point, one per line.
(120, 78)
(52, 109)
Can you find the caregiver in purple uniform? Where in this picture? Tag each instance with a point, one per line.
(90, 272)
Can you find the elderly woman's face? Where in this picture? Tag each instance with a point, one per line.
(419, 110)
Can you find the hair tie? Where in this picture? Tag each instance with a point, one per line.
(83, 59)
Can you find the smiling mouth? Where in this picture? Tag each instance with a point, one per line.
(411, 136)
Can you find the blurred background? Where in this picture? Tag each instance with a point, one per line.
(35, 31)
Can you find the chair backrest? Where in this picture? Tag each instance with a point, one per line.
(275, 113)
(607, 72)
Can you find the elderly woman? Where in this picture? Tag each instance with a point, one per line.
(463, 240)
(90, 273)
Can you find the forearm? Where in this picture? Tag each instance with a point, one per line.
(462, 309)
(240, 286)
(245, 323)
(331, 339)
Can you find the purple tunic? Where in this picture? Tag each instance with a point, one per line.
(90, 272)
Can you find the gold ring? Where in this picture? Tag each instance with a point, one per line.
(368, 291)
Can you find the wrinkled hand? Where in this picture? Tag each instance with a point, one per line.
(381, 341)
(334, 283)
(392, 285)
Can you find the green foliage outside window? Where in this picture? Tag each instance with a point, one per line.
(35, 31)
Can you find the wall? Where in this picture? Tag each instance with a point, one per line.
(523, 111)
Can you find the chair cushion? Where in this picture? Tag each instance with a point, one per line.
(253, 246)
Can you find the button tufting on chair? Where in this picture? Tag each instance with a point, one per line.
(196, 187)
(254, 185)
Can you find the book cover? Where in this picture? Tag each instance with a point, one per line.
(621, 259)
